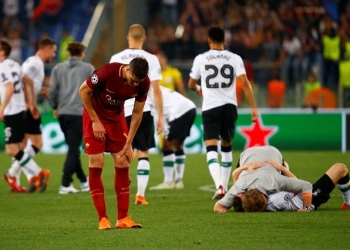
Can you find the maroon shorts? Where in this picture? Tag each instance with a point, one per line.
(116, 134)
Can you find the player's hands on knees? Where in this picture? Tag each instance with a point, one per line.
(128, 152)
(99, 130)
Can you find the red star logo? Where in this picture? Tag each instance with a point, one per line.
(257, 134)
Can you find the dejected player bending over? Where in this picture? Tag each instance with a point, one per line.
(105, 130)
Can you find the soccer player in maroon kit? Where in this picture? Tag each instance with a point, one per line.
(105, 130)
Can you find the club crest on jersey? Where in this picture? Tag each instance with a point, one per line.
(94, 79)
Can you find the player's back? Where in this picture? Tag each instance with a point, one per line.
(174, 104)
(127, 55)
(260, 154)
(218, 70)
(17, 101)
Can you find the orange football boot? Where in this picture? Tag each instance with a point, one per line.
(126, 222)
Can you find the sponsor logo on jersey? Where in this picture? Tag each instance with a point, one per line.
(112, 101)
(94, 79)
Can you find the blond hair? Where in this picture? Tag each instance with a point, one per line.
(254, 201)
(136, 32)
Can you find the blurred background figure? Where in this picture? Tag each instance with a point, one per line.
(172, 77)
(66, 79)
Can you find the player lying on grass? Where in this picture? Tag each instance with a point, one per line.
(337, 174)
(255, 173)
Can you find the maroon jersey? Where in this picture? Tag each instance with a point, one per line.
(110, 91)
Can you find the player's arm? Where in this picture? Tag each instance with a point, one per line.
(251, 166)
(218, 208)
(248, 91)
(29, 94)
(180, 87)
(179, 83)
(8, 89)
(54, 91)
(192, 84)
(97, 126)
(281, 168)
(295, 185)
(158, 100)
(136, 118)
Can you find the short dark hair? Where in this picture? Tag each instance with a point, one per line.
(46, 42)
(76, 48)
(139, 67)
(216, 34)
(6, 47)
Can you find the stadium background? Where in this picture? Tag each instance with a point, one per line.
(254, 29)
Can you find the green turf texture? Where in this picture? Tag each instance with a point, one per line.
(174, 219)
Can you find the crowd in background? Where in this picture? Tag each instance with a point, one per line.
(291, 37)
(286, 33)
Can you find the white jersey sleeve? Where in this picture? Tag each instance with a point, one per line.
(174, 104)
(11, 72)
(34, 68)
(280, 201)
(218, 70)
(285, 201)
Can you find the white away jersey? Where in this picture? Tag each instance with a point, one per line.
(218, 70)
(174, 104)
(34, 68)
(285, 201)
(10, 71)
(154, 74)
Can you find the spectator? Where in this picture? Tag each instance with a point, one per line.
(171, 77)
(311, 84)
(291, 58)
(65, 40)
(331, 48)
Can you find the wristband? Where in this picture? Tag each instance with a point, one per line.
(198, 88)
(307, 207)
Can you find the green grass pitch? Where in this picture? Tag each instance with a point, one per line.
(174, 219)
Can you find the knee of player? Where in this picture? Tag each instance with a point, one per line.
(341, 168)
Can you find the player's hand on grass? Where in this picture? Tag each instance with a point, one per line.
(303, 210)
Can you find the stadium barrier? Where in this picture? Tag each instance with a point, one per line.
(287, 129)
